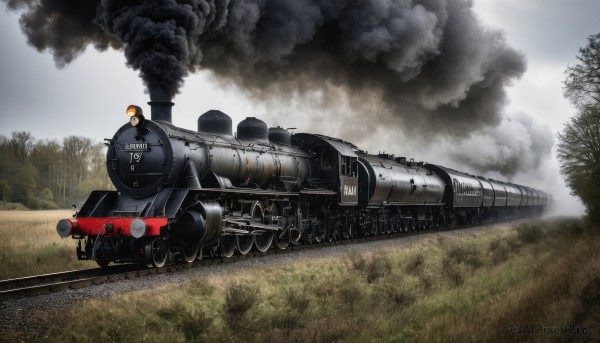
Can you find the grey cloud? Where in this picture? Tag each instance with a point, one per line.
(427, 66)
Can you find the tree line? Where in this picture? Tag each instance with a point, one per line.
(47, 174)
(579, 142)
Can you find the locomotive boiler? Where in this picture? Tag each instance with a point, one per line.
(182, 193)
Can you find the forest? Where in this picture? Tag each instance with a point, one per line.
(49, 174)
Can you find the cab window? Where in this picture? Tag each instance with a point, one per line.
(347, 166)
(328, 158)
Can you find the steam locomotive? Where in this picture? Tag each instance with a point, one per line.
(182, 193)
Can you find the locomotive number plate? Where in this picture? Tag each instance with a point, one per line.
(136, 146)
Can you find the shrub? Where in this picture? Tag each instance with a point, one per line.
(240, 298)
(528, 233)
(589, 296)
(357, 261)
(400, 292)
(292, 314)
(500, 252)
(378, 266)
(460, 260)
(200, 287)
(196, 324)
(415, 263)
(465, 253)
(351, 293)
(372, 268)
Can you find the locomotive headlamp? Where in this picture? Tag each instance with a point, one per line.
(136, 114)
(133, 110)
(137, 228)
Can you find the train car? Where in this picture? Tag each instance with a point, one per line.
(181, 193)
(463, 196)
(404, 193)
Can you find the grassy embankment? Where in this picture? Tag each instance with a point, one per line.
(444, 289)
(29, 244)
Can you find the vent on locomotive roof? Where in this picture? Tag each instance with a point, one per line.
(400, 160)
(252, 129)
(216, 123)
(386, 156)
(280, 135)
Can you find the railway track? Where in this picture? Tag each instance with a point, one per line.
(56, 282)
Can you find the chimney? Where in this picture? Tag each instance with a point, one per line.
(160, 104)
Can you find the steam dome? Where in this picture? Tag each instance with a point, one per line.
(215, 122)
(280, 135)
(252, 129)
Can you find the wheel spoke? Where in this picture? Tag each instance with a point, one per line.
(189, 253)
(244, 243)
(226, 246)
(263, 241)
(156, 252)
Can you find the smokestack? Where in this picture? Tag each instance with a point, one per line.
(160, 104)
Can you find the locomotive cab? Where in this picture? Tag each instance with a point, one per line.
(336, 165)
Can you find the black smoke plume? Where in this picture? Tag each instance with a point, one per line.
(428, 66)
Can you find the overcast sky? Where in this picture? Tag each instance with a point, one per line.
(90, 95)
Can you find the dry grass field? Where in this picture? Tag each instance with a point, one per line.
(534, 282)
(29, 244)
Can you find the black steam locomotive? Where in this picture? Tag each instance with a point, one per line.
(180, 192)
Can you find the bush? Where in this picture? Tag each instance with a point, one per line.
(500, 252)
(461, 260)
(240, 298)
(46, 195)
(400, 292)
(529, 234)
(351, 293)
(372, 268)
(40, 204)
(465, 253)
(415, 263)
(292, 314)
(4, 205)
(590, 294)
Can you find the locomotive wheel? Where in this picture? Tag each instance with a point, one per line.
(394, 227)
(244, 243)
(333, 231)
(188, 253)
(262, 241)
(283, 239)
(320, 232)
(389, 228)
(226, 246)
(348, 231)
(156, 251)
(102, 262)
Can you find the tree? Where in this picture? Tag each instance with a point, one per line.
(4, 190)
(22, 143)
(579, 155)
(579, 142)
(582, 85)
(24, 184)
